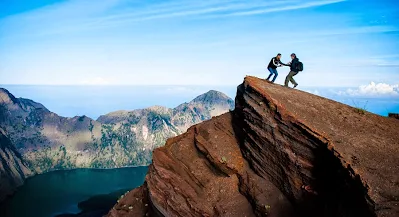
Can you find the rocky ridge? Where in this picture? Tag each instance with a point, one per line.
(281, 152)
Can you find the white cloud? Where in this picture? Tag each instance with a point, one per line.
(291, 6)
(373, 89)
(83, 15)
(315, 92)
(210, 9)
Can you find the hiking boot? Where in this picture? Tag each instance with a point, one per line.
(295, 85)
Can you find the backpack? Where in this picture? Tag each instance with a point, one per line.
(299, 66)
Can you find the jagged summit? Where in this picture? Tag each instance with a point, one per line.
(201, 108)
(8, 99)
(6, 96)
(211, 96)
(282, 153)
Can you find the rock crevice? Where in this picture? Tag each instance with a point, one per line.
(282, 148)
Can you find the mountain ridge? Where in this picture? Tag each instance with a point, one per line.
(47, 141)
(211, 94)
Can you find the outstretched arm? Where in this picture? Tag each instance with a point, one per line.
(288, 64)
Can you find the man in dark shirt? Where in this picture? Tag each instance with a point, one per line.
(294, 71)
(272, 67)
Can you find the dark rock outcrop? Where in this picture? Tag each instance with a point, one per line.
(393, 115)
(282, 152)
(13, 170)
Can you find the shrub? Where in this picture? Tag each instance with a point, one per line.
(360, 111)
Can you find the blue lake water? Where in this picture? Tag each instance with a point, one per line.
(58, 192)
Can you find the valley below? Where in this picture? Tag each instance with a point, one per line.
(35, 140)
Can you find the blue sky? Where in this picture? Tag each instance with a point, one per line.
(342, 43)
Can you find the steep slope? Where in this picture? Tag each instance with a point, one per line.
(203, 173)
(326, 158)
(13, 169)
(48, 141)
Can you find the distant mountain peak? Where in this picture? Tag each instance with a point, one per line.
(18, 103)
(211, 96)
(203, 107)
(6, 97)
(158, 108)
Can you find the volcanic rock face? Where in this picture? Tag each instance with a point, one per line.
(351, 160)
(13, 170)
(282, 152)
(203, 173)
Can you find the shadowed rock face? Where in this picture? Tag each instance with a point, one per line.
(282, 152)
(13, 170)
(203, 173)
(349, 159)
(393, 115)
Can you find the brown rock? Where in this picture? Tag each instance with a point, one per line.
(280, 150)
(203, 173)
(134, 203)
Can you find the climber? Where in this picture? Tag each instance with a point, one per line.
(295, 66)
(272, 67)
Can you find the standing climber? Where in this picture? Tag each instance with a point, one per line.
(272, 67)
(295, 66)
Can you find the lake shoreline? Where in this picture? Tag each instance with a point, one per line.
(62, 192)
(38, 174)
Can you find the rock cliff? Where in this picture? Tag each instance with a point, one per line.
(281, 152)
